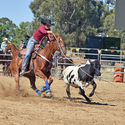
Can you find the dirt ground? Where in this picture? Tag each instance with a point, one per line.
(107, 106)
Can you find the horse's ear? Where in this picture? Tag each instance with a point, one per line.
(57, 35)
(89, 61)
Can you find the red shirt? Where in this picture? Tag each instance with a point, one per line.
(41, 33)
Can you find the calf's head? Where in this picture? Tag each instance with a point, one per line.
(96, 66)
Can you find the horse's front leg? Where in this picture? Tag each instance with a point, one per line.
(94, 87)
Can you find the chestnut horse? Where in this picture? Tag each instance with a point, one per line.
(40, 66)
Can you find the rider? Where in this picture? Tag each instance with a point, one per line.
(26, 41)
(39, 35)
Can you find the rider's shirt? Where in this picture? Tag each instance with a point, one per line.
(41, 33)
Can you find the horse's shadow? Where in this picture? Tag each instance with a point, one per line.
(80, 100)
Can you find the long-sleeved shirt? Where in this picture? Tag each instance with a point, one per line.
(25, 43)
(3, 45)
(41, 33)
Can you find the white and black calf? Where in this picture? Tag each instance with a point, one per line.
(82, 76)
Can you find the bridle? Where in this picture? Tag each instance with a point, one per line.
(58, 45)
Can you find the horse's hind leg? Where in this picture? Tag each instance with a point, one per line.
(83, 94)
(32, 79)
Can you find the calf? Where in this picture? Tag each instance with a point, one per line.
(82, 76)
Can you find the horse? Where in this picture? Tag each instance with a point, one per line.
(40, 66)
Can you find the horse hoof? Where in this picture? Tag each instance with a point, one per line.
(38, 91)
(18, 92)
(49, 93)
(43, 89)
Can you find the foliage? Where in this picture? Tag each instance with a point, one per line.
(73, 19)
(20, 32)
(109, 28)
(7, 28)
(11, 31)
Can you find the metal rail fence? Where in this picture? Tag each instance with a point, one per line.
(109, 59)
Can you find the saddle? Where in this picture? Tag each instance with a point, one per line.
(22, 53)
(37, 48)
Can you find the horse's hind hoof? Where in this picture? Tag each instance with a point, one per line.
(49, 93)
(43, 89)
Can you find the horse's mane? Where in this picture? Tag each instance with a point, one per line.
(14, 49)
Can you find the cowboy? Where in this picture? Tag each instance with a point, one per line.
(26, 41)
(4, 44)
(39, 35)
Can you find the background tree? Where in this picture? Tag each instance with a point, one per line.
(20, 32)
(7, 28)
(74, 19)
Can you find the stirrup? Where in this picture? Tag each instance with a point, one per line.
(24, 73)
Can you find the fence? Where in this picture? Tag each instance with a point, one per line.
(5, 60)
(109, 59)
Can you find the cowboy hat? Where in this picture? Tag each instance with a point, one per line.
(27, 36)
(46, 22)
(5, 39)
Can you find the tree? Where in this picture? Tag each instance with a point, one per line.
(7, 28)
(109, 28)
(20, 32)
(74, 19)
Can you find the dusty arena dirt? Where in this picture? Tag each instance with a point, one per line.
(107, 106)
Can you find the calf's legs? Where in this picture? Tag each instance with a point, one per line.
(83, 94)
(68, 91)
(94, 87)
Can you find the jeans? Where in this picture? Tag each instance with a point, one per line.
(31, 44)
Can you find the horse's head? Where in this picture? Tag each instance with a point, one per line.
(60, 43)
(11, 47)
(8, 47)
(96, 66)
